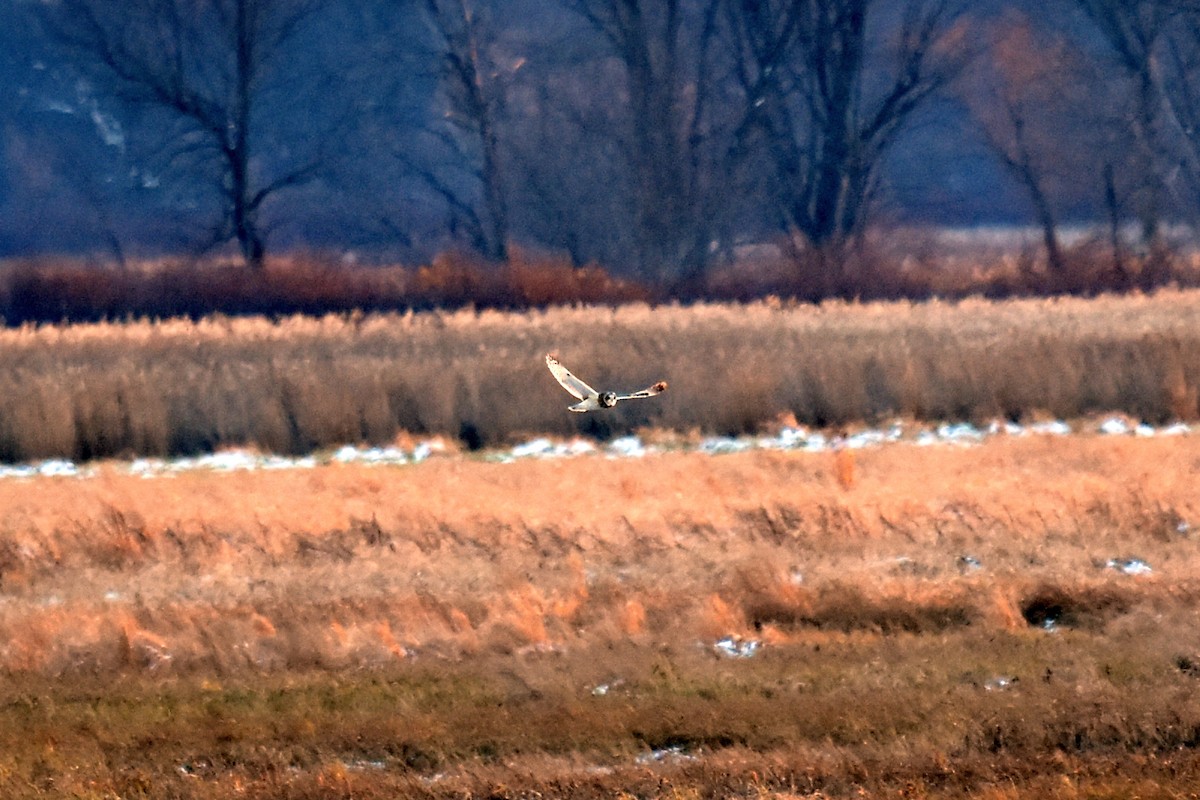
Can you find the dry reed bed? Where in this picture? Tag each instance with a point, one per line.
(298, 384)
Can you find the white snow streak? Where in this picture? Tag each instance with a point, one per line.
(801, 439)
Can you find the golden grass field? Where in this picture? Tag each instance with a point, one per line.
(460, 628)
(928, 622)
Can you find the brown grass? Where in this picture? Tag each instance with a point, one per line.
(302, 383)
(442, 630)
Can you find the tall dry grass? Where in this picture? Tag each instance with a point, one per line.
(444, 630)
(351, 566)
(299, 383)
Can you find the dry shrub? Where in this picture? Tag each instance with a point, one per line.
(885, 265)
(914, 264)
(451, 279)
(58, 290)
(540, 281)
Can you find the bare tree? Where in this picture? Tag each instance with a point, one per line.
(205, 65)
(1151, 51)
(464, 162)
(559, 153)
(666, 133)
(1178, 69)
(826, 93)
(1021, 99)
(1133, 31)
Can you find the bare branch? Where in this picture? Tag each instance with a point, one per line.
(204, 62)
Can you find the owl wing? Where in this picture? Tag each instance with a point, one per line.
(570, 382)
(591, 404)
(657, 388)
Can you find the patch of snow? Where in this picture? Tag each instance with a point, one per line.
(788, 438)
(718, 445)
(1114, 426)
(147, 467)
(600, 690)
(58, 467)
(737, 647)
(665, 755)
(1129, 566)
(968, 563)
(962, 432)
(926, 439)
(19, 471)
(815, 443)
(861, 439)
(349, 454)
(1053, 428)
(996, 427)
(228, 461)
(1000, 683)
(282, 462)
(626, 447)
(536, 447)
(543, 447)
(579, 447)
(345, 454)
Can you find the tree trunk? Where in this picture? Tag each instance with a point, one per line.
(1114, 228)
(494, 199)
(245, 227)
(491, 174)
(840, 65)
(1045, 216)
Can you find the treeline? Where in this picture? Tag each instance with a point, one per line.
(658, 138)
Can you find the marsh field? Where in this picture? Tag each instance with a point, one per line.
(1008, 617)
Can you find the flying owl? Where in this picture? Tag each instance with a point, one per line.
(591, 399)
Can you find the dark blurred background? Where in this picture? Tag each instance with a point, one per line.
(656, 137)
